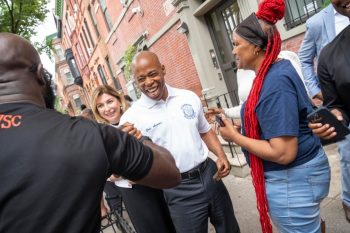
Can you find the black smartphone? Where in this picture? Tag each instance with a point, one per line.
(219, 120)
(324, 116)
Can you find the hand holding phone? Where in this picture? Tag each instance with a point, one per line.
(324, 116)
(219, 120)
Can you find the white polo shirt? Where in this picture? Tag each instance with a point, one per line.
(175, 124)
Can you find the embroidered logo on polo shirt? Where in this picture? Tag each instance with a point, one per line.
(188, 111)
(9, 121)
(154, 125)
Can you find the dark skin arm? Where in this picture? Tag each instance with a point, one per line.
(163, 163)
(163, 173)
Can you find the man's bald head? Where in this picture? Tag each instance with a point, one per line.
(145, 55)
(16, 53)
(22, 77)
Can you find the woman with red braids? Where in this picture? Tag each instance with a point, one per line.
(289, 168)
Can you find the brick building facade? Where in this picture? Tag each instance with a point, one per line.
(191, 38)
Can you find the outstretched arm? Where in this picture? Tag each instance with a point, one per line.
(163, 173)
(141, 161)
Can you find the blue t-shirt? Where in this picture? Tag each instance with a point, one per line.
(282, 111)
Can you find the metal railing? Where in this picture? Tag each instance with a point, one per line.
(222, 101)
(115, 219)
(298, 11)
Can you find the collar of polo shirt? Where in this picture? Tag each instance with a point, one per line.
(149, 103)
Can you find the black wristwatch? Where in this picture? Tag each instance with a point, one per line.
(143, 138)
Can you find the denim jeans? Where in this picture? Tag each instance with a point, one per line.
(294, 195)
(344, 152)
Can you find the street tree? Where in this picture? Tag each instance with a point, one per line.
(22, 17)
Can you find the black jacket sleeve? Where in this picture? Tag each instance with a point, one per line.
(127, 156)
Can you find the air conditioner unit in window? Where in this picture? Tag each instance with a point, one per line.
(90, 50)
(124, 2)
(75, 7)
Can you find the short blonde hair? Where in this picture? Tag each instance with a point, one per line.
(105, 89)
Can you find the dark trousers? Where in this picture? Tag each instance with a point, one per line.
(147, 209)
(195, 200)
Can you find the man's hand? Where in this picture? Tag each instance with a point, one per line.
(114, 178)
(223, 166)
(317, 100)
(130, 129)
(325, 131)
(337, 114)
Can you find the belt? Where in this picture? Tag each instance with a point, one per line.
(195, 172)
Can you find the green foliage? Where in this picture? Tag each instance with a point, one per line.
(127, 58)
(58, 106)
(45, 47)
(21, 17)
(326, 3)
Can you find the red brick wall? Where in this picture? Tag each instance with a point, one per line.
(293, 44)
(174, 52)
(172, 48)
(133, 25)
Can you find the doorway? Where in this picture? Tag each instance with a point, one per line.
(222, 21)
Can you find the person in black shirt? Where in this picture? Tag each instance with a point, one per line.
(333, 72)
(54, 167)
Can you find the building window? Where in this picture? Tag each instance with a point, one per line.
(69, 77)
(59, 52)
(77, 101)
(106, 15)
(297, 12)
(102, 74)
(75, 68)
(86, 39)
(84, 45)
(116, 81)
(89, 33)
(92, 17)
(81, 55)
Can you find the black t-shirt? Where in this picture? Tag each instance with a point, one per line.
(53, 169)
(334, 72)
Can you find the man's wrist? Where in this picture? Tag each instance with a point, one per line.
(143, 138)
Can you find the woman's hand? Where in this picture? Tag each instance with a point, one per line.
(131, 130)
(229, 131)
(211, 113)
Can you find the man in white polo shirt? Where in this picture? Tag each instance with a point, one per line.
(174, 119)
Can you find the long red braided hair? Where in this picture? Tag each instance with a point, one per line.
(269, 11)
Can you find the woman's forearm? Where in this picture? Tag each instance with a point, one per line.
(280, 150)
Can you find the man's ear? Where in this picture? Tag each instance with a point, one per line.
(163, 70)
(40, 74)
